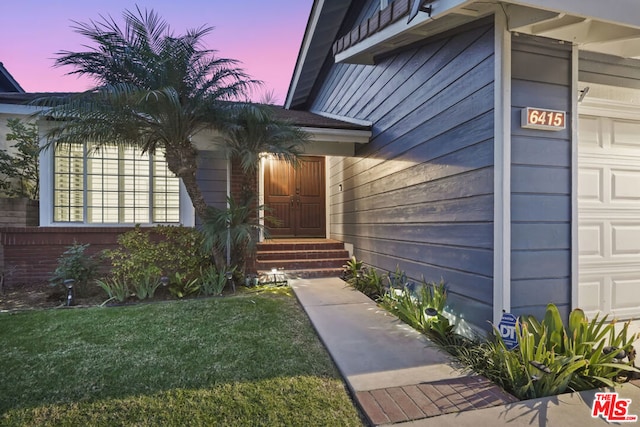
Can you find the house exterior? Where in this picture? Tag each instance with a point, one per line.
(490, 145)
(505, 149)
(92, 197)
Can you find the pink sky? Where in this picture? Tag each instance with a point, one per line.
(264, 35)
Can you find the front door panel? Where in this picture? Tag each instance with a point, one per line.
(295, 198)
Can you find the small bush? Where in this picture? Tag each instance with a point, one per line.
(75, 264)
(160, 251)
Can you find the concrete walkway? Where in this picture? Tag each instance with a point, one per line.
(399, 377)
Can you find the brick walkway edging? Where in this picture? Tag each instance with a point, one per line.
(414, 402)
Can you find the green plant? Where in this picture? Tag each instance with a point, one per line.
(421, 309)
(212, 280)
(165, 250)
(20, 170)
(182, 285)
(352, 268)
(369, 282)
(236, 228)
(115, 289)
(586, 340)
(75, 264)
(397, 279)
(146, 285)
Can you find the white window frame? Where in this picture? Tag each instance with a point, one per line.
(187, 212)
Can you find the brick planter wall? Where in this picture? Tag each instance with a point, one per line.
(30, 254)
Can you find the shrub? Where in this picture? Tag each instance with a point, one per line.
(75, 264)
(144, 254)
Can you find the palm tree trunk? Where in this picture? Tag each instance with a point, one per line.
(183, 163)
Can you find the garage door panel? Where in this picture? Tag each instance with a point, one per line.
(591, 240)
(609, 216)
(625, 135)
(591, 297)
(589, 131)
(591, 184)
(625, 185)
(626, 292)
(625, 240)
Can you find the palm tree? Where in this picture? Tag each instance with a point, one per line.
(154, 90)
(252, 132)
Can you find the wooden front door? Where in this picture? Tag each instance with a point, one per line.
(295, 198)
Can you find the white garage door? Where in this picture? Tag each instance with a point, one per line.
(609, 210)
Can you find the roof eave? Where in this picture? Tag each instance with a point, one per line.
(323, 25)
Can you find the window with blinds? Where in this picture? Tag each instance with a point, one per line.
(113, 185)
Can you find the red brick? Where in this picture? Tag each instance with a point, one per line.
(370, 407)
(426, 405)
(389, 406)
(405, 403)
(432, 392)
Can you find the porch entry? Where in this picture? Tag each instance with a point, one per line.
(295, 197)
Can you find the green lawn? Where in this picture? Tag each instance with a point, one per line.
(250, 359)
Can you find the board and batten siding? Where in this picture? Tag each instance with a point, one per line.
(540, 180)
(419, 195)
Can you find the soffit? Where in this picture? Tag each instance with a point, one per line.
(586, 23)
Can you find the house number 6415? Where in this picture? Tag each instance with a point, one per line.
(539, 118)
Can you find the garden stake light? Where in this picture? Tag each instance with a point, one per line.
(229, 275)
(68, 283)
(431, 312)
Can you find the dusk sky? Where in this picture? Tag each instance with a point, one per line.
(264, 35)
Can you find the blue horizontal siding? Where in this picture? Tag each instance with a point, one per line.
(540, 179)
(420, 194)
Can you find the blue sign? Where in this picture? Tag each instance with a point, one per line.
(507, 330)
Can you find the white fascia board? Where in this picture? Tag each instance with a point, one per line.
(18, 109)
(622, 12)
(338, 135)
(316, 11)
(346, 119)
